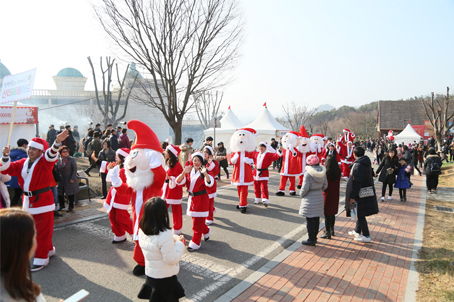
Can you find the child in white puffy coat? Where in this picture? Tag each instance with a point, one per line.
(162, 251)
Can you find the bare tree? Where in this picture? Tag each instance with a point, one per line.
(108, 107)
(297, 115)
(186, 46)
(207, 106)
(439, 115)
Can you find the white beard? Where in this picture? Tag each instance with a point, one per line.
(140, 179)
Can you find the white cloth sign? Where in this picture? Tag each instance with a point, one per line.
(17, 87)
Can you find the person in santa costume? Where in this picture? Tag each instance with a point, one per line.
(348, 136)
(306, 148)
(347, 160)
(115, 204)
(331, 150)
(262, 160)
(145, 177)
(34, 175)
(318, 140)
(291, 165)
(172, 192)
(242, 144)
(325, 151)
(213, 169)
(197, 180)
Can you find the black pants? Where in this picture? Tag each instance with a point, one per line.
(17, 196)
(403, 193)
(431, 182)
(312, 225)
(104, 184)
(329, 223)
(91, 166)
(383, 189)
(361, 226)
(451, 156)
(379, 158)
(279, 164)
(415, 167)
(61, 201)
(225, 170)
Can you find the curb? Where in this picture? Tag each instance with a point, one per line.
(64, 224)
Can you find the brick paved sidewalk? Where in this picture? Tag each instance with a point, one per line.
(341, 269)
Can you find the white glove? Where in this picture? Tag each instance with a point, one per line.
(115, 177)
(235, 158)
(248, 161)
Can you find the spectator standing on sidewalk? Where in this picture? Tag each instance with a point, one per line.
(388, 169)
(87, 139)
(314, 183)
(432, 169)
(124, 139)
(362, 177)
(68, 184)
(70, 141)
(113, 138)
(76, 136)
(275, 146)
(105, 157)
(415, 158)
(51, 135)
(221, 157)
(186, 151)
(331, 195)
(15, 155)
(93, 148)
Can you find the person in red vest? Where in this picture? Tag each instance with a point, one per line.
(242, 144)
(34, 175)
(291, 166)
(145, 177)
(262, 161)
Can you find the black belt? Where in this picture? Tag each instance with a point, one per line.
(197, 193)
(36, 193)
(167, 181)
(261, 170)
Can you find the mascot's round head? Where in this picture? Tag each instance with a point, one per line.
(318, 140)
(145, 155)
(243, 140)
(306, 144)
(290, 139)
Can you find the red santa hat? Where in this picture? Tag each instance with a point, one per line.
(174, 149)
(318, 135)
(252, 131)
(123, 152)
(38, 143)
(346, 130)
(209, 148)
(145, 137)
(197, 153)
(303, 132)
(295, 133)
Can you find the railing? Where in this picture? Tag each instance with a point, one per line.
(191, 123)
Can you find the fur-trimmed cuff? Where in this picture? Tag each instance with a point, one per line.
(194, 246)
(103, 167)
(172, 182)
(182, 182)
(211, 181)
(234, 159)
(207, 235)
(211, 166)
(5, 165)
(49, 157)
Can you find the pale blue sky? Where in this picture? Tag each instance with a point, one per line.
(317, 52)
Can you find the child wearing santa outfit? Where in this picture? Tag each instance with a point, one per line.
(34, 174)
(172, 193)
(291, 166)
(117, 205)
(242, 144)
(262, 161)
(347, 160)
(213, 169)
(197, 180)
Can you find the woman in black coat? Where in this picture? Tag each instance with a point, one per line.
(388, 170)
(361, 176)
(432, 173)
(68, 185)
(221, 157)
(105, 155)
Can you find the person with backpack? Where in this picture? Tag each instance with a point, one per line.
(432, 168)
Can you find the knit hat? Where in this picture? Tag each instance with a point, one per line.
(312, 160)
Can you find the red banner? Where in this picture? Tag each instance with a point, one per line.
(24, 115)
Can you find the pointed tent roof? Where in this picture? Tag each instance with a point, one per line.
(266, 122)
(408, 135)
(230, 121)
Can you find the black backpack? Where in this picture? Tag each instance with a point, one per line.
(434, 167)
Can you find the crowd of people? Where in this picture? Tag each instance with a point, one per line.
(150, 176)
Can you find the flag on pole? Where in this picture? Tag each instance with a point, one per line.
(229, 106)
(264, 105)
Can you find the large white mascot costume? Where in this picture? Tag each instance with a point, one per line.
(291, 166)
(306, 148)
(145, 177)
(318, 140)
(242, 144)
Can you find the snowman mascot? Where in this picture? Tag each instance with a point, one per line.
(291, 165)
(145, 177)
(306, 148)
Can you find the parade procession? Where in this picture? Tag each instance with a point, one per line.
(226, 150)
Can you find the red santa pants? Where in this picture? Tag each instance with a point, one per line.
(177, 213)
(121, 222)
(284, 183)
(44, 224)
(242, 194)
(199, 228)
(211, 209)
(138, 254)
(301, 177)
(346, 169)
(261, 186)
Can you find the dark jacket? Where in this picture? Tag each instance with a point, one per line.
(124, 141)
(403, 178)
(113, 142)
(432, 158)
(87, 140)
(220, 157)
(51, 136)
(109, 157)
(71, 143)
(383, 170)
(68, 172)
(361, 176)
(407, 156)
(76, 136)
(94, 145)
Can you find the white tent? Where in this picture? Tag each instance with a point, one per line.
(229, 124)
(267, 127)
(407, 136)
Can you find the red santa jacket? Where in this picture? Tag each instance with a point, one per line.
(172, 192)
(198, 206)
(140, 197)
(263, 161)
(114, 200)
(291, 164)
(38, 177)
(302, 161)
(242, 171)
(326, 153)
(213, 170)
(347, 156)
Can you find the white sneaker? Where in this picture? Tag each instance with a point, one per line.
(383, 198)
(353, 233)
(389, 198)
(362, 238)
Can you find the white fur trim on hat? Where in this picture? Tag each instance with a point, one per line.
(209, 148)
(197, 153)
(172, 149)
(36, 145)
(122, 153)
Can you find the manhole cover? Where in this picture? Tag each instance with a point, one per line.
(444, 209)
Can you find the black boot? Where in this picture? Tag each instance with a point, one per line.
(333, 219)
(71, 206)
(327, 233)
(61, 202)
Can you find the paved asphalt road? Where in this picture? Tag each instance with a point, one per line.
(239, 245)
